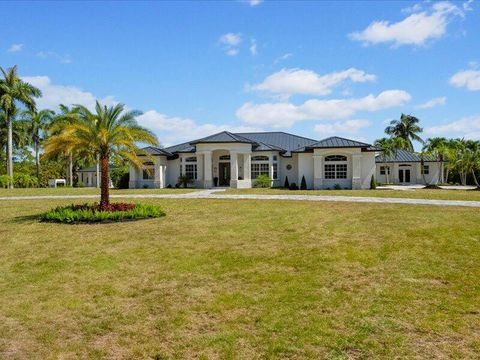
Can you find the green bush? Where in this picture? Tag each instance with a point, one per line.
(184, 180)
(263, 181)
(303, 184)
(22, 180)
(120, 177)
(5, 180)
(373, 184)
(91, 214)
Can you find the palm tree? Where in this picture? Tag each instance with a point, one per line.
(438, 148)
(389, 148)
(12, 91)
(107, 132)
(38, 122)
(19, 133)
(406, 128)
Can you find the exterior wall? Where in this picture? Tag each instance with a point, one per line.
(292, 174)
(159, 174)
(87, 178)
(416, 176)
(305, 168)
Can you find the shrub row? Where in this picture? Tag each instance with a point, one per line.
(91, 213)
(20, 180)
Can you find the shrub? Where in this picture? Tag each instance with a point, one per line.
(287, 184)
(120, 177)
(373, 184)
(5, 181)
(337, 187)
(184, 180)
(293, 186)
(22, 180)
(263, 181)
(92, 213)
(303, 184)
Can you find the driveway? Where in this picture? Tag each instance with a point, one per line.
(217, 194)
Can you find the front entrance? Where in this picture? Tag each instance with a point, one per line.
(224, 173)
(404, 176)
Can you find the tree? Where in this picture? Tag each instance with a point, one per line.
(437, 147)
(287, 184)
(13, 91)
(109, 131)
(38, 122)
(389, 148)
(303, 184)
(407, 129)
(19, 135)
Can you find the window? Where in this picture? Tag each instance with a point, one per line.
(260, 158)
(224, 157)
(275, 171)
(191, 159)
(191, 171)
(335, 158)
(259, 169)
(337, 167)
(384, 170)
(426, 169)
(148, 174)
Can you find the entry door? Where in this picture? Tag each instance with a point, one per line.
(224, 172)
(404, 176)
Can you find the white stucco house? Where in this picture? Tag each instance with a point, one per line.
(405, 168)
(236, 159)
(87, 177)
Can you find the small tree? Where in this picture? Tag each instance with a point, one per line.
(287, 184)
(303, 184)
(373, 184)
(263, 181)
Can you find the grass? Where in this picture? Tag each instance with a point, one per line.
(87, 191)
(224, 279)
(441, 194)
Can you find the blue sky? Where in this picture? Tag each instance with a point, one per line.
(312, 68)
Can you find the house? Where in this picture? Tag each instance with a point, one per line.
(237, 159)
(405, 168)
(88, 176)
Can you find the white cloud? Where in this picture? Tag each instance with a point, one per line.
(283, 57)
(253, 47)
(285, 114)
(342, 127)
(15, 48)
(299, 81)
(468, 127)
(440, 101)
(173, 130)
(255, 2)
(53, 95)
(230, 43)
(64, 59)
(416, 29)
(467, 78)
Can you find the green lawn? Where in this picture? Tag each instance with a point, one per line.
(440, 194)
(86, 191)
(222, 279)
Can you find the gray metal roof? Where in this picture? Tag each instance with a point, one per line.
(337, 142)
(280, 141)
(153, 150)
(223, 137)
(404, 156)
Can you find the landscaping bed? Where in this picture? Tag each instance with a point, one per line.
(94, 213)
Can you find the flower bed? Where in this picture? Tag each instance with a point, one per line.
(93, 213)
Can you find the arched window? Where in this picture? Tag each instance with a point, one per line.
(259, 166)
(191, 159)
(224, 157)
(260, 158)
(335, 158)
(336, 167)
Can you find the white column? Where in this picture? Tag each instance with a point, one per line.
(199, 167)
(317, 171)
(207, 169)
(356, 171)
(157, 172)
(247, 170)
(133, 177)
(233, 168)
(89, 179)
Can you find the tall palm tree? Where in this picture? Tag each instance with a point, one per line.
(406, 128)
(38, 122)
(438, 148)
(109, 131)
(12, 91)
(389, 148)
(19, 133)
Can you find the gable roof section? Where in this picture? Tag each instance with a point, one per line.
(223, 137)
(338, 142)
(277, 141)
(404, 156)
(153, 150)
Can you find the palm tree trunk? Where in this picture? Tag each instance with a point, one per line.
(475, 179)
(10, 149)
(441, 172)
(37, 159)
(97, 185)
(70, 169)
(104, 195)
